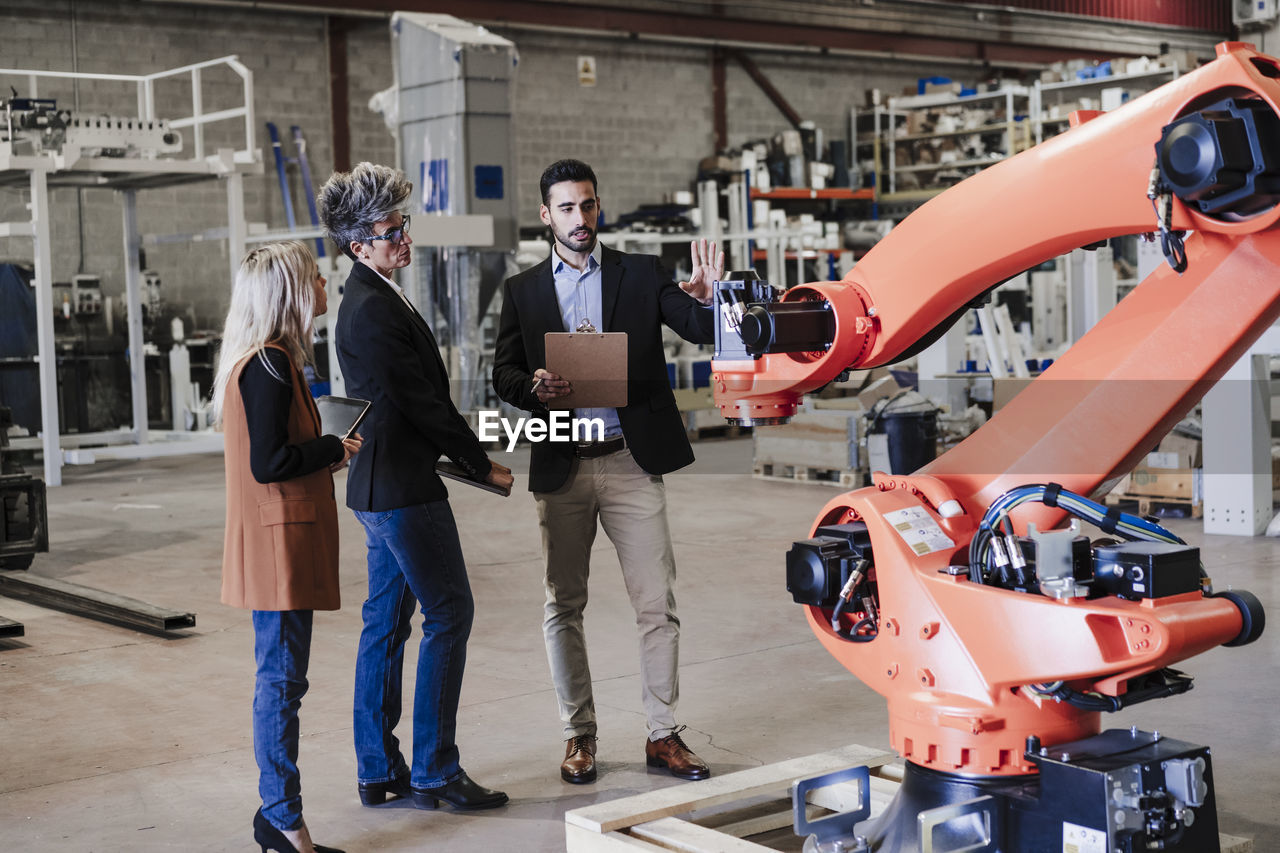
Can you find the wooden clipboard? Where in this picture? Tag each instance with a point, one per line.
(595, 363)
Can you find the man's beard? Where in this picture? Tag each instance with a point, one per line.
(577, 245)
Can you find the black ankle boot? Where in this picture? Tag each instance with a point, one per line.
(376, 793)
(270, 838)
(461, 793)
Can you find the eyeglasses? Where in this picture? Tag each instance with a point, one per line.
(395, 236)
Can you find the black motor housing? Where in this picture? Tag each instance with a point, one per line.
(1224, 159)
(1138, 570)
(817, 568)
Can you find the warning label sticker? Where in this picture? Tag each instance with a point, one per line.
(1082, 839)
(918, 529)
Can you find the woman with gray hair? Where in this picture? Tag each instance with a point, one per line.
(389, 356)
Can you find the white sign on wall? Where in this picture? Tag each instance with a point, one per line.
(586, 70)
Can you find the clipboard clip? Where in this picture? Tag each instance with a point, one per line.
(585, 327)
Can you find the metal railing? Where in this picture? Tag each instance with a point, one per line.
(145, 83)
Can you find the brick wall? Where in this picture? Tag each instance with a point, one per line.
(369, 71)
(644, 126)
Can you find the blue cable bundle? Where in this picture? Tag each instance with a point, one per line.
(1130, 527)
(1164, 682)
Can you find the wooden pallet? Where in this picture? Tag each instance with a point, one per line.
(744, 812)
(1149, 504)
(843, 478)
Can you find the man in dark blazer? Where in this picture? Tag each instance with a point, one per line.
(389, 356)
(615, 481)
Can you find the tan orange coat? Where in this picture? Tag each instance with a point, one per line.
(281, 545)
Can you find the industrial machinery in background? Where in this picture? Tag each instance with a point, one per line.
(24, 518)
(454, 102)
(998, 633)
(91, 350)
(171, 142)
(91, 347)
(24, 525)
(90, 334)
(38, 126)
(93, 376)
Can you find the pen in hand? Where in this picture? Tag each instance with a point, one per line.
(536, 383)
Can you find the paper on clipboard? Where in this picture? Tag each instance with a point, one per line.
(595, 363)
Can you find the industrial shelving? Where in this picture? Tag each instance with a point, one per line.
(1015, 132)
(1047, 96)
(802, 193)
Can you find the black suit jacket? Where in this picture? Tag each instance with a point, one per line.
(389, 356)
(637, 297)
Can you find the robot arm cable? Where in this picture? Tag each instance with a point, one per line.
(997, 516)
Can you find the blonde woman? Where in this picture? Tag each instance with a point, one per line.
(280, 556)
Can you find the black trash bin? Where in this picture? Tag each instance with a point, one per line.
(910, 422)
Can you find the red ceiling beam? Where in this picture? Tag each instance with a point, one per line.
(719, 100)
(549, 13)
(1212, 16)
(766, 86)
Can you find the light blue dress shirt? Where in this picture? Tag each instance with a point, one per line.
(579, 296)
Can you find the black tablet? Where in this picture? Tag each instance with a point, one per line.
(341, 415)
(449, 468)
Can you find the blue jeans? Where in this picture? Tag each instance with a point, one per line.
(414, 556)
(282, 648)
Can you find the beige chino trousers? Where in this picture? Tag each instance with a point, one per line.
(631, 506)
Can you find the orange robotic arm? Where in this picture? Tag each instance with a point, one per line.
(964, 664)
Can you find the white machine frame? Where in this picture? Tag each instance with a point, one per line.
(127, 175)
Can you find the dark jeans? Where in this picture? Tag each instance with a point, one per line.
(282, 648)
(414, 555)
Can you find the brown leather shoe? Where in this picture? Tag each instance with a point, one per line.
(579, 766)
(671, 753)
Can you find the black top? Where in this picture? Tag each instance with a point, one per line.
(388, 355)
(266, 411)
(638, 297)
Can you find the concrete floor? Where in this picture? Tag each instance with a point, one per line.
(112, 739)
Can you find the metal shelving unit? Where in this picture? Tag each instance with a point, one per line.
(803, 193)
(1013, 97)
(1044, 96)
(867, 130)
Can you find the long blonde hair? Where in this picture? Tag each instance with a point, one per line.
(272, 302)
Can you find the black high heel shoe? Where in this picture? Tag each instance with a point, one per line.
(270, 838)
